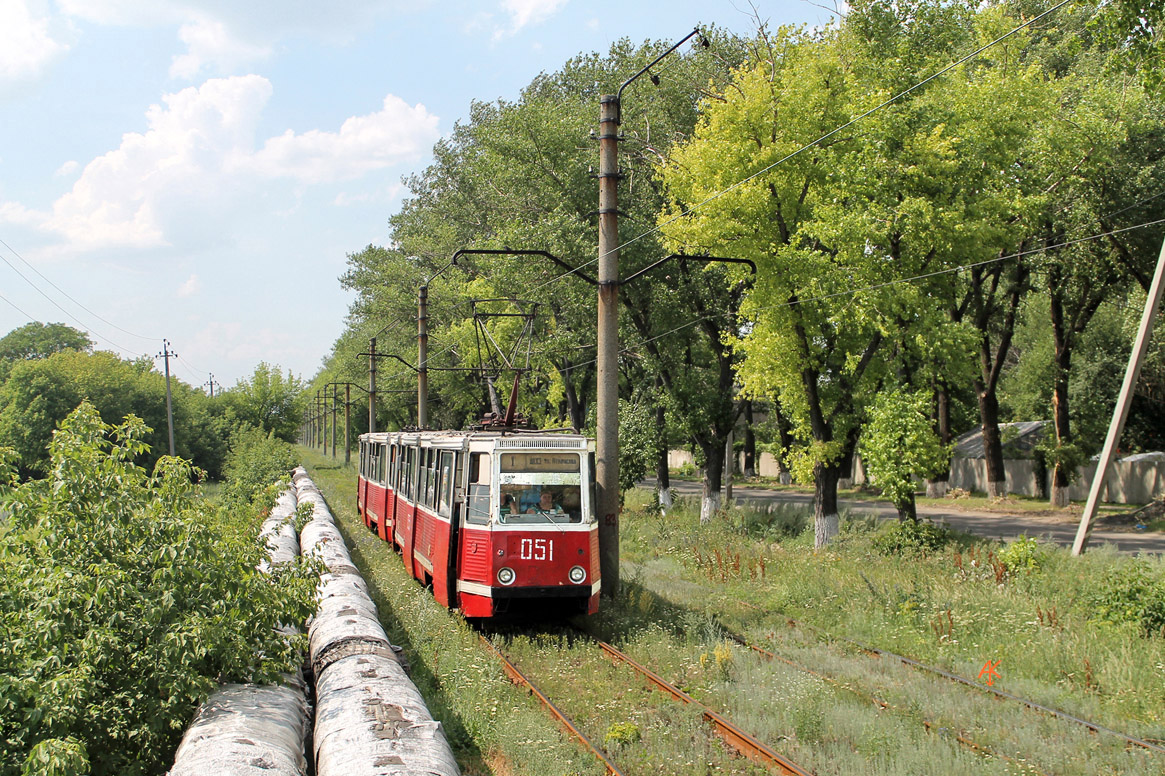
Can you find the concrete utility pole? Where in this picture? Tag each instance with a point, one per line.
(335, 412)
(423, 356)
(607, 398)
(165, 354)
(372, 385)
(347, 424)
(1123, 402)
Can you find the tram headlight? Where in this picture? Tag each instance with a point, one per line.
(577, 575)
(506, 575)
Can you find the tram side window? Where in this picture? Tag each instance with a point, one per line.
(390, 472)
(478, 489)
(445, 485)
(430, 478)
(406, 473)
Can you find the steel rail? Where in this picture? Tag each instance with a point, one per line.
(1094, 727)
(930, 726)
(519, 678)
(739, 740)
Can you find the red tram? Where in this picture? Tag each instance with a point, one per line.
(493, 520)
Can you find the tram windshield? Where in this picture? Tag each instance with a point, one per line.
(540, 487)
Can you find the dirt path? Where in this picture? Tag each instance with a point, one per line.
(992, 525)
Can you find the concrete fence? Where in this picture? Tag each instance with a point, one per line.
(1127, 482)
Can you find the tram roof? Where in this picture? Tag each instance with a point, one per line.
(456, 437)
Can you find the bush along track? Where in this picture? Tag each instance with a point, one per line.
(248, 728)
(125, 600)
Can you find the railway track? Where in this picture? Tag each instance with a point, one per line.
(732, 735)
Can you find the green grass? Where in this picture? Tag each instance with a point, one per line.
(492, 726)
(748, 571)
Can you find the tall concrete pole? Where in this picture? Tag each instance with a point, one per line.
(169, 402)
(422, 357)
(372, 385)
(607, 400)
(347, 424)
(1121, 413)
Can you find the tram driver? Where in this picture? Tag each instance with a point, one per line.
(546, 503)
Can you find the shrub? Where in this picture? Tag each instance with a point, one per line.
(907, 537)
(125, 599)
(1132, 593)
(1023, 556)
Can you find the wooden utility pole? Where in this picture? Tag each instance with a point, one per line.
(165, 354)
(1121, 413)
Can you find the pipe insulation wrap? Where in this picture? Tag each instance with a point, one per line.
(371, 721)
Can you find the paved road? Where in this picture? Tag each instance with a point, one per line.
(992, 525)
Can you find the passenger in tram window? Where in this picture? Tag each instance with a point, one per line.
(509, 506)
(546, 503)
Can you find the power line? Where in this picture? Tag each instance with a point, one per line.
(720, 193)
(62, 309)
(873, 287)
(67, 296)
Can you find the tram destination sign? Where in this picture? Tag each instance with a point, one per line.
(540, 462)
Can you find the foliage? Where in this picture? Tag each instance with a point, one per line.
(1023, 556)
(269, 400)
(256, 459)
(1132, 594)
(39, 340)
(125, 599)
(40, 393)
(57, 757)
(637, 443)
(898, 444)
(910, 537)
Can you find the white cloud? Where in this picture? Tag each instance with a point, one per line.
(526, 12)
(194, 170)
(26, 44)
(191, 287)
(364, 143)
(67, 169)
(223, 35)
(211, 42)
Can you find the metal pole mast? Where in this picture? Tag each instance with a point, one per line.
(422, 357)
(1121, 413)
(607, 399)
(335, 411)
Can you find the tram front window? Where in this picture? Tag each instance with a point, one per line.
(521, 503)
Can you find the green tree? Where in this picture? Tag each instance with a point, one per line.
(40, 393)
(39, 340)
(125, 598)
(899, 444)
(269, 400)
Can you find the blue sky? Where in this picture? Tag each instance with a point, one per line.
(199, 169)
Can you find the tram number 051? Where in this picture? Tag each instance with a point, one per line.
(537, 549)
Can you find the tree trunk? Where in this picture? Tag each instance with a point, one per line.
(662, 474)
(826, 523)
(713, 471)
(906, 510)
(785, 435)
(749, 442)
(937, 486)
(1062, 363)
(992, 444)
(576, 405)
